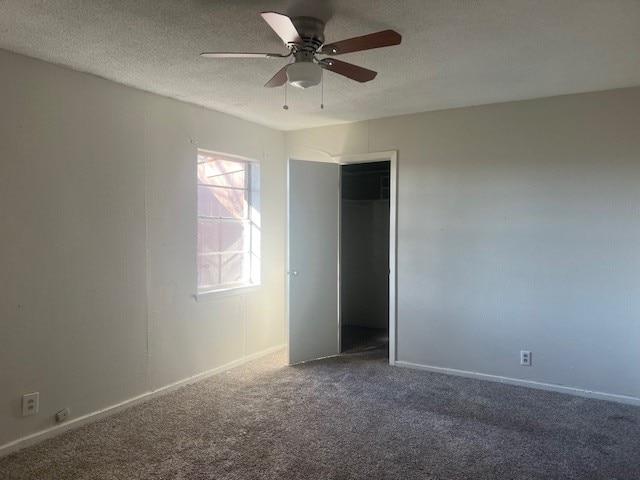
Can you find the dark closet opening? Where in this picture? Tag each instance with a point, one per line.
(364, 256)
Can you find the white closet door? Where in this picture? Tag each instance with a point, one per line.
(314, 202)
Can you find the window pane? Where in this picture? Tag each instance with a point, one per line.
(222, 202)
(215, 270)
(222, 236)
(233, 268)
(222, 173)
(208, 270)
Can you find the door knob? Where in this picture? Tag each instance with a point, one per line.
(295, 273)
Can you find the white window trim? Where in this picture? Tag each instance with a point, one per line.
(227, 292)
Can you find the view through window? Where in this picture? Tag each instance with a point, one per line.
(228, 222)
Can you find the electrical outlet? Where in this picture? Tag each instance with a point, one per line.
(30, 403)
(525, 358)
(62, 415)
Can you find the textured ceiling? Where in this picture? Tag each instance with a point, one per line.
(454, 52)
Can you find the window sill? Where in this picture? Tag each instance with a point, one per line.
(227, 292)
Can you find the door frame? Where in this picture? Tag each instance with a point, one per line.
(390, 156)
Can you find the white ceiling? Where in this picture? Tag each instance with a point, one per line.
(454, 52)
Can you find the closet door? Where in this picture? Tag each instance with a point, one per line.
(313, 208)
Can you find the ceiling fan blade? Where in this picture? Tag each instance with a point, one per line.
(283, 26)
(241, 55)
(386, 38)
(348, 70)
(278, 79)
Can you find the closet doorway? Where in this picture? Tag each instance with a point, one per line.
(364, 256)
(314, 251)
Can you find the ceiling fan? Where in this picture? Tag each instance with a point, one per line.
(304, 37)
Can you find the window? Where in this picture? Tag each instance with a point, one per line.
(228, 222)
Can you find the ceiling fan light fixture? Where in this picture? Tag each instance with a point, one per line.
(304, 38)
(304, 74)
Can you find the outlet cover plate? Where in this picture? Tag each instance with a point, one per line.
(30, 404)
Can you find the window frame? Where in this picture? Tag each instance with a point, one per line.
(239, 288)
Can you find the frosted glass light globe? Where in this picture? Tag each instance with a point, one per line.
(304, 74)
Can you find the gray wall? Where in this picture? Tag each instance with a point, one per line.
(518, 228)
(98, 238)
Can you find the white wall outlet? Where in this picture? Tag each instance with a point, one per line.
(525, 358)
(30, 403)
(62, 415)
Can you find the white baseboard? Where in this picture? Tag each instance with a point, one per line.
(105, 412)
(612, 397)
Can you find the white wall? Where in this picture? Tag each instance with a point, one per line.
(519, 228)
(97, 243)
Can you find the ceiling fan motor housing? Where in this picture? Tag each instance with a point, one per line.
(311, 31)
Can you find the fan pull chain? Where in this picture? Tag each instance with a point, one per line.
(322, 90)
(285, 106)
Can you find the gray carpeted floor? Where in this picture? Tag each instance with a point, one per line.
(349, 417)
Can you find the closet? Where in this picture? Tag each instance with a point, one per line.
(364, 256)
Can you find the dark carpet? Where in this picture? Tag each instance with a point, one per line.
(347, 417)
